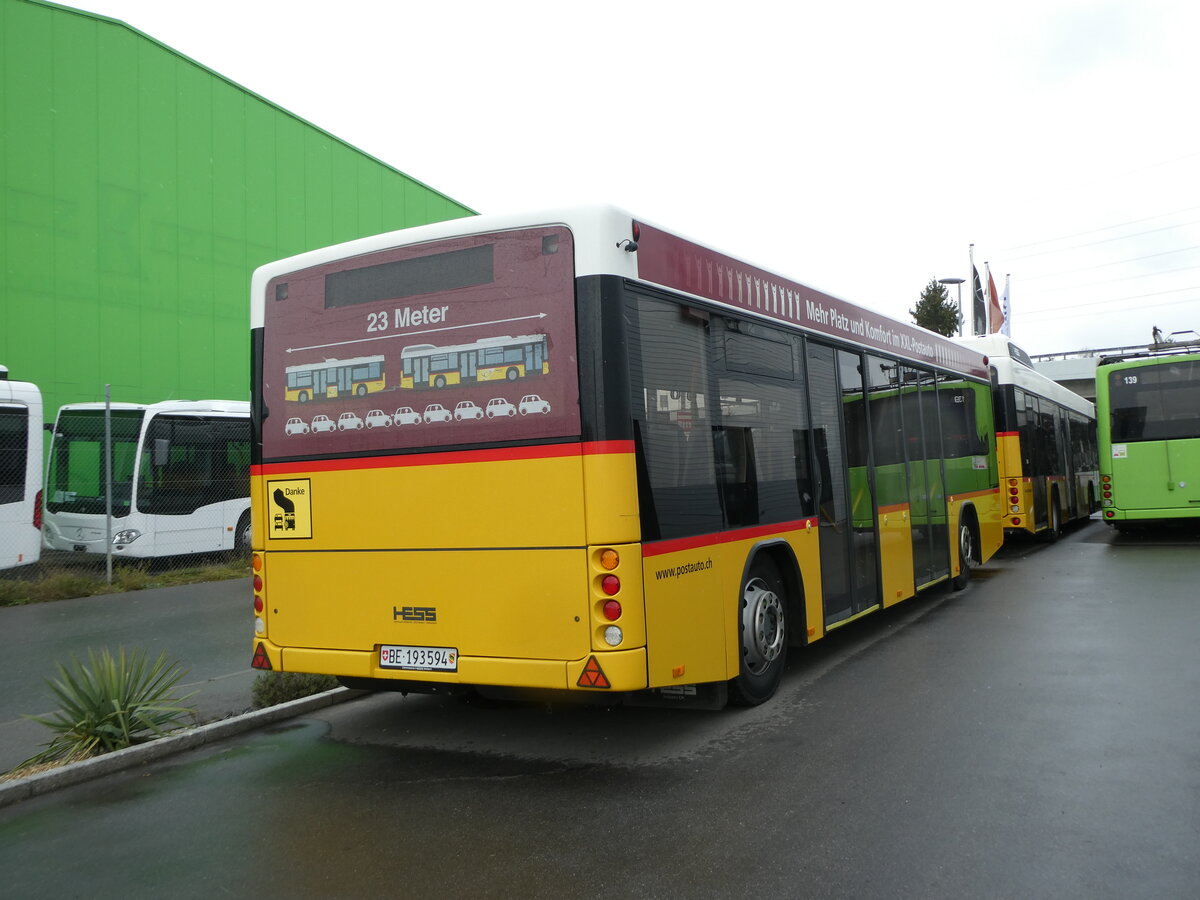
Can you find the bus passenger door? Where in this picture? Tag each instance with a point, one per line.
(833, 508)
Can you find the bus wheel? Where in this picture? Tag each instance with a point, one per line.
(1054, 532)
(762, 623)
(966, 553)
(241, 537)
(439, 381)
(512, 374)
(361, 390)
(303, 398)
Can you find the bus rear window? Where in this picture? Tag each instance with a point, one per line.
(436, 273)
(1155, 403)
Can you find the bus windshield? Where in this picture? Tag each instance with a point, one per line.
(1158, 402)
(76, 480)
(463, 342)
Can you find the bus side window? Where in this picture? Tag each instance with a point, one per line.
(736, 474)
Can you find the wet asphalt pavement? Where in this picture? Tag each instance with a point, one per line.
(1034, 736)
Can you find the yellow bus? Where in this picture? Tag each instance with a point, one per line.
(502, 358)
(1046, 443)
(333, 378)
(706, 478)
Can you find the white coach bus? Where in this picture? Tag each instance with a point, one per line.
(180, 478)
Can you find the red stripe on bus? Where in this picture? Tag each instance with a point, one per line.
(507, 454)
(658, 548)
(897, 507)
(1008, 434)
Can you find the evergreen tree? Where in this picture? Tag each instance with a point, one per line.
(936, 311)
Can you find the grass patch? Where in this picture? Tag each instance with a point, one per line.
(271, 688)
(72, 577)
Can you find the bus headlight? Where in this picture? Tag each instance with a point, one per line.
(128, 536)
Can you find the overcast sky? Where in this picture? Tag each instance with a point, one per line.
(860, 148)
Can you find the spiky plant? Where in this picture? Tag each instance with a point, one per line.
(110, 703)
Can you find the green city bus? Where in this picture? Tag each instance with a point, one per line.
(1148, 408)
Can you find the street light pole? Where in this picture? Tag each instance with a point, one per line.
(959, 282)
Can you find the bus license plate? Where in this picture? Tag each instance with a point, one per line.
(422, 659)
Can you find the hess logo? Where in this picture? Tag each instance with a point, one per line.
(414, 613)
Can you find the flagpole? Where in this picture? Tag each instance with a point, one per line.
(974, 279)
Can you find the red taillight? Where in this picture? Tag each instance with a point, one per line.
(1016, 520)
(258, 604)
(1108, 514)
(258, 582)
(37, 511)
(1108, 495)
(610, 584)
(612, 610)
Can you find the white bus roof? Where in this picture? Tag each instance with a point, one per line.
(603, 245)
(1012, 368)
(195, 407)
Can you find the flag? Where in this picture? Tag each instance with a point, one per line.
(1004, 329)
(995, 311)
(978, 308)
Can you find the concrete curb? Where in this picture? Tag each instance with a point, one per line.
(75, 773)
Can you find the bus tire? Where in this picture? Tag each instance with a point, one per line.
(303, 398)
(763, 634)
(968, 541)
(512, 374)
(1054, 532)
(361, 390)
(439, 381)
(242, 536)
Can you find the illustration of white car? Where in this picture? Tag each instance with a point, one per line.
(467, 410)
(295, 426)
(435, 412)
(349, 422)
(405, 415)
(498, 406)
(377, 418)
(532, 403)
(323, 423)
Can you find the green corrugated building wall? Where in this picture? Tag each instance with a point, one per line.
(140, 190)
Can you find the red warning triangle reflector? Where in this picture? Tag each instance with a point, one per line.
(592, 675)
(260, 660)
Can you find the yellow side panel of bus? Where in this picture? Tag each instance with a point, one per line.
(692, 604)
(896, 555)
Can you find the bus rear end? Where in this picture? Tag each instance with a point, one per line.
(434, 533)
(1149, 428)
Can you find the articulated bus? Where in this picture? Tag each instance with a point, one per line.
(180, 478)
(1046, 438)
(503, 358)
(721, 464)
(20, 472)
(1148, 406)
